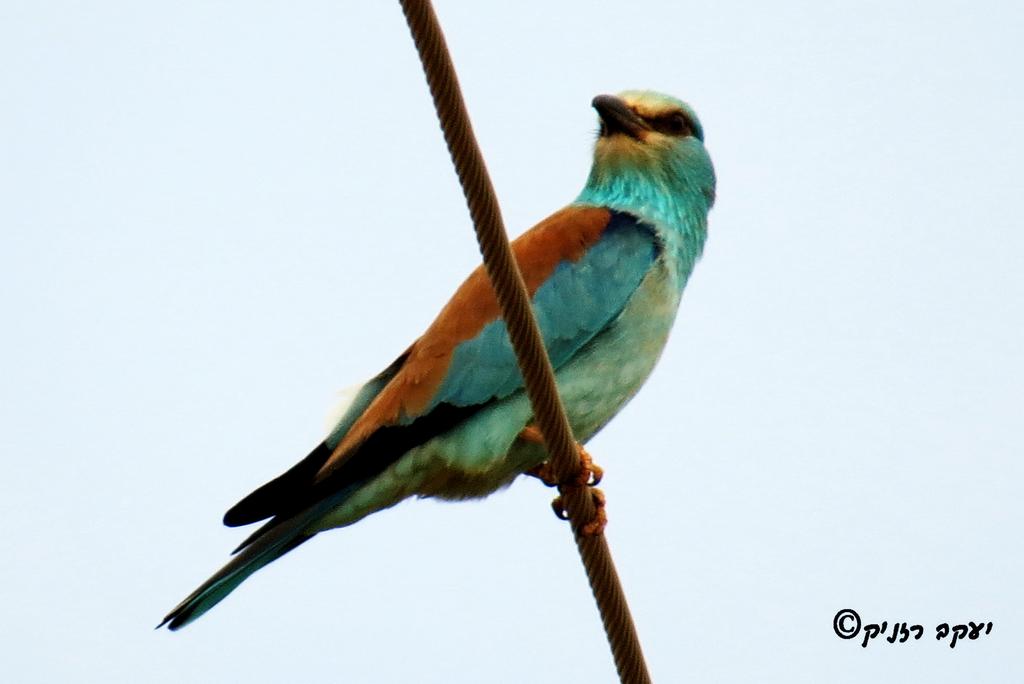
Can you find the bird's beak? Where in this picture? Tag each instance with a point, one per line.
(617, 117)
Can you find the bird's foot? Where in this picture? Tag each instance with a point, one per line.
(597, 524)
(531, 433)
(543, 473)
(590, 473)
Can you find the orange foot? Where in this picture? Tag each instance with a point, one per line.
(597, 524)
(590, 473)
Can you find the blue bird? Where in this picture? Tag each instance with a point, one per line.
(449, 417)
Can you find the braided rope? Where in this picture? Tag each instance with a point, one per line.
(525, 336)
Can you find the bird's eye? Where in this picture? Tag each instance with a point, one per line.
(673, 124)
(680, 125)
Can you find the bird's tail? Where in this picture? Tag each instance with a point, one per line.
(276, 542)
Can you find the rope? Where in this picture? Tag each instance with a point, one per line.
(525, 336)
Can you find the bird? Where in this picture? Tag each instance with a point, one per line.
(449, 418)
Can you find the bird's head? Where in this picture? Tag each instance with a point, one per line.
(649, 144)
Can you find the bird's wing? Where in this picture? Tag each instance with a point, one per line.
(581, 265)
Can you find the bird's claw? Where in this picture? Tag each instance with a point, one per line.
(600, 520)
(597, 523)
(589, 475)
(543, 473)
(558, 506)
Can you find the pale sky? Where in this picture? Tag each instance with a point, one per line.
(214, 216)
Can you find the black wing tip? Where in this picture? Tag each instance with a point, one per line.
(281, 492)
(183, 613)
(238, 516)
(176, 619)
(286, 493)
